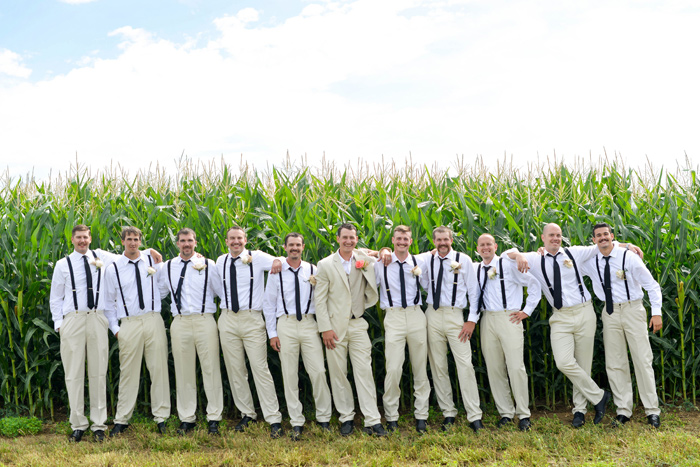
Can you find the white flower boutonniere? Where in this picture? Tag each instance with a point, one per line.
(621, 274)
(97, 262)
(492, 273)
(199, 266)
(568, 263)
(246, 259)
(150, 271)
(416, 271)
(312, 279)
(455, 266)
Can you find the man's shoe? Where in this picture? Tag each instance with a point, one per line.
(346, 428)
(392, 426)
(243, 424)
(296, 432)
(186, 427)
(579, 420)
(276, 430)
(160, 427)
(421, 426)
(213, 427)
(503, 422)
(600, 408)
(620, 420)
(325, 426)
(76, 436)
(654, 421)
(476, 425)
(118, 428)
(447, 423)
(376, 430)
(524, 424)
(99, 436)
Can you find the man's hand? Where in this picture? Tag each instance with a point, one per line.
(522, 263)
(275, 343)
(117, 335)
(370, 253)
(655, 323)
(638, 251)
(276, 267)
(518, 317)
(467, 331)
(157, 257)
(329, 339)
(385, 256)
(541, 251)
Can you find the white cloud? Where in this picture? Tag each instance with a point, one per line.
(365, 78)
(11, 65)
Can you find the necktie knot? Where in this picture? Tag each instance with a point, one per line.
(606, 258)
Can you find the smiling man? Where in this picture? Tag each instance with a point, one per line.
(618, 279)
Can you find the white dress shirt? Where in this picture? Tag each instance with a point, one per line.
(192, 296)
(638, 278)
(273, 304)
(513, 280)
(261, 262)
(466, 280)
(61, 298)
(115, 307)
(394, 286)
(347, 264)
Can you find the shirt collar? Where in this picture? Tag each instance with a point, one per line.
(493, 262)
(613, 253)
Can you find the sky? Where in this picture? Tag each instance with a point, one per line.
(135, 83)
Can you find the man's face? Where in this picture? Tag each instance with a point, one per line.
(347, 240)
(294, 247)
(401, 241)
(132, 243)
(486, 247)
(236, 240)
(443, 242)
(551, 237)
(81, 241)
(186, 244)
(603, 237)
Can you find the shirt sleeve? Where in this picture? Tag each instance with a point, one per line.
(473, 300)
(58, 292)
(264, 260)
(215, 285)
(164, 281)
(110, 299)
(270, 304)
(321, 301)
(641, 274)
(534, 289)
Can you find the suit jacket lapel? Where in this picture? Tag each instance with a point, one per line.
(341, 271)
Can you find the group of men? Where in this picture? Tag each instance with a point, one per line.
(304, 308)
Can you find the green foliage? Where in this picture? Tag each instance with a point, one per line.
(19, 426)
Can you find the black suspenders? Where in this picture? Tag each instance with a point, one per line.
(454, 284)
(206, 281)
(502, 280)
(121, 292)
(578, 276)
(311, 291)
(627, 287)
(72, 282)
(388, 292)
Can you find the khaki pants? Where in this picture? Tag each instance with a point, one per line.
(193, 336)
(502, 345)
(302, 336)
(143, 336)
(242, 334)
(572, 334)
(444, 326)
(403, 326)
(84, 333)
(627, 325)
(357, 345)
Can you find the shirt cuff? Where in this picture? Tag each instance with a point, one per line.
(473, 317)
(656, 312)
(57, 325)
(115, 329)
(528, 311)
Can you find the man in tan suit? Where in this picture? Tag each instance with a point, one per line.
(345, 287)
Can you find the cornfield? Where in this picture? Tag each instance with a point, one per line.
(657, 210)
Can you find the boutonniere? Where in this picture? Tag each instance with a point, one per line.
(416, 271)
(246, 259)
(97, 262)
(312, 279)
(199, 267)
(492, 273)
(455, 266)
(621, 274)
(361, 264)
(150, 271)
(568, 263)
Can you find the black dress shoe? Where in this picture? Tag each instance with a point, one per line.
(376, 430)
(213, 427)
(476, 425)
(421, 426)
(346, 428)
(524, 424)
(621, 420)
(503, 422)
(118, 428)
(243, 424)
(76, 436)
(296, 432)
(326, 426)
(392, 426)
(99, 435)
(654, 421)
(600, 408)
(161, 428)
(186, 427)
(447, 423)
(579, 420)
(276, 430)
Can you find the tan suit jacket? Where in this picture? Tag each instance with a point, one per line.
(333, 298)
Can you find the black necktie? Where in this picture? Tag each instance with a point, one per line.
(297, 293)
(608, 286)
(438, 287)
(403, 286)
(558, 303)
(234, 286)
(178, 291)
(483, 288)
(88, 276)
(138, 284)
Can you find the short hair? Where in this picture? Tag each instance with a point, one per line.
(442, 229)
(186, 231)
(601, 225)
(130, 230)
(402, 229)
(486, 234)
(236, 227)
(346, 226)
(80, 228)
(293, 235)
